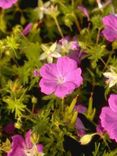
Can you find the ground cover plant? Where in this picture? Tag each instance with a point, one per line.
(58, 78)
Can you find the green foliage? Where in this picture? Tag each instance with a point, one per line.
(99, 151)
(21, 100)
(96, 21)
(96, 53)
(2, 22)
(15, 105)
(31, 51)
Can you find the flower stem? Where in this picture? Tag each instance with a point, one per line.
(62, 105)
(77, 23)
(72, 1)
(98, 36)
(58, 26)
(33, 108)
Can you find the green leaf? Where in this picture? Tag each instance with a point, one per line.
(96, 53)
(31, 50)
(15, 105)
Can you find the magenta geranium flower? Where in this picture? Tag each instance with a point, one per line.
(110, 30)
(108, 117)
(84, 11)
(24, 147)
(69, 44)
(80, 129)
(71, 47)
(60, 78)
(99, 129)
(5, 4)
(27, 29)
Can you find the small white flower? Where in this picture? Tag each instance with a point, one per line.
(111, 76)
(49, 52)
(99, 4)
(102, 5)
(42, 8)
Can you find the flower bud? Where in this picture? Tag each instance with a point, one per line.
(72, 105)
(86, 138)
(34, 100)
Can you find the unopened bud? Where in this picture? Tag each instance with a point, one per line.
(72, 105)
(86, 138)
(34, 100)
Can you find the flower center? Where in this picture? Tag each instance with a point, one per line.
(60, 80)
(32, 151)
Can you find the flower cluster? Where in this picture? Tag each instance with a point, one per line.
(58, 65)
(65, 46)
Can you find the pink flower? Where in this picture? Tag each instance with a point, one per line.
(68, 44)
(108, 117)
(99, 129)
(71, 47)
(84, 11)
(80, 129)
(79, 125)
(5, 4)
(24, 147)
(36, 73)
(80, 108)
(60, 78)
(110, 30)
(27, 29)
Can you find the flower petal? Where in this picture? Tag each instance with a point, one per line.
(7, 4)
(80, 108)
(49, 71)
(108, 119)
(79, 127)
(84, 10)
(113, 134)
(47, 86)
(109, 20)
(27, 29)
(113, 102)
(64, 89)
(27, 139)
(109, 34)
(40, 148)
(18, 145)
(75, 77)
(65, 65)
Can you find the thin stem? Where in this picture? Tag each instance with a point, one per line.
(72, 2)
(28, 110)
(62, 105)
(77, 23)
(33, 108)
(58, 26)
(105, 64)
(98, 36)
(28, 118)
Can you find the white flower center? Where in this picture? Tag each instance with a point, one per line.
(60, 80)
(32, 151)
